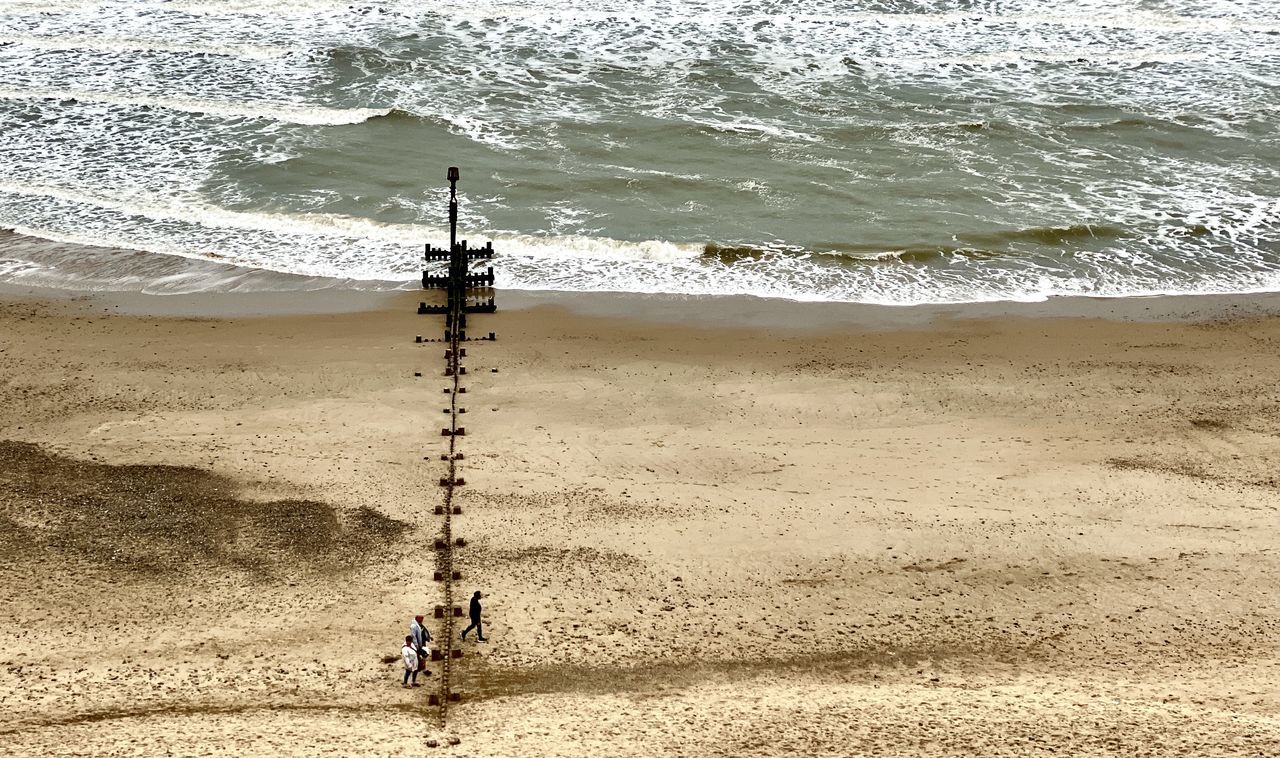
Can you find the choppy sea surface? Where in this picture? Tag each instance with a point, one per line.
(845, 150)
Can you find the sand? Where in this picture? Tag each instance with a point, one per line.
(1027, 531)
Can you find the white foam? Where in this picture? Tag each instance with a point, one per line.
(125, 166)
(12, 268)
(279, 8)
(389, 247)
(192, 210)
(289, 113)
(124, 44)
(204, 8)
(662, 268)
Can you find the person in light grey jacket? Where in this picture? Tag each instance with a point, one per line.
(421, 636)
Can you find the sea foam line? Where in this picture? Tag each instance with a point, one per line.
(125, 44)
(286, 8)
(710, 12)
(293, 114)
(203, 214)
(323, 226)
(898, 286)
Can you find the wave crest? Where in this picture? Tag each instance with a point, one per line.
(1048, 235)
(307, 115)
(126, 44)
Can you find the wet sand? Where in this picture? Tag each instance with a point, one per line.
(997, 530)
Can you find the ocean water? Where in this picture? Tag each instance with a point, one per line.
(890, 152)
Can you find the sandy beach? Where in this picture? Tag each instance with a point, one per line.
(702, 528)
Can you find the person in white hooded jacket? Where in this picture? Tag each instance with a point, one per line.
(410, 655)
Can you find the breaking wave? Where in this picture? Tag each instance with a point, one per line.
(125, 44)
(901, 152)
(284, 112)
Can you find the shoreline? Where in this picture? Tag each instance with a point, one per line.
(741, 311)
(273, 293)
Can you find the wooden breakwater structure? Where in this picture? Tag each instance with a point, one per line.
(466, 293)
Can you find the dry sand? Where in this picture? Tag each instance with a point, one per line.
(1008, 535)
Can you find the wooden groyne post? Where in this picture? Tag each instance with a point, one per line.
(465, 293)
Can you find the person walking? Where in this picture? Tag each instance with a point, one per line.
(475, 619)
(410, 655)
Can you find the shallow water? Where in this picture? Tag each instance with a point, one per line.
(897, 152)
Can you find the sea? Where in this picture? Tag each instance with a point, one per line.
(893, 151)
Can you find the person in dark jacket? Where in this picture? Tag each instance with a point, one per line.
(475, 619)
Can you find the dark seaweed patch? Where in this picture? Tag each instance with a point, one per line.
(730, 254)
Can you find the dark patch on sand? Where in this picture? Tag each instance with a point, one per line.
(1193, 471)
(485, 682)
(1145, 369)
(1174, 467)
(170, 519)
(583, 504)
(169, 711)
(563, 557)
(1212, 424)
(928, 566)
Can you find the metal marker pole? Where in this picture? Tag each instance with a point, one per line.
(455, 295)
(453, 207)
